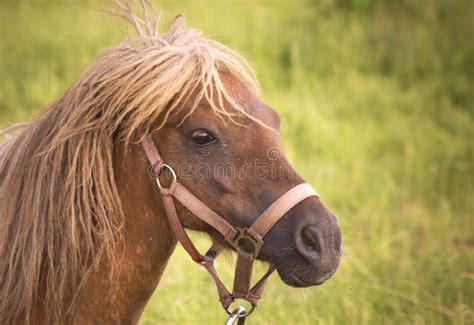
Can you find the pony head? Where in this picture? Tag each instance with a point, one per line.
(75, 194)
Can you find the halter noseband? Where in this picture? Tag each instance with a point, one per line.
(232, 235)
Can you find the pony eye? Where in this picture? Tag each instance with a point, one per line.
(201, 137)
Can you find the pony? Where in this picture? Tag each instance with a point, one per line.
(82, 223)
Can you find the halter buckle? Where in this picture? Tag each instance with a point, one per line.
(243, 234)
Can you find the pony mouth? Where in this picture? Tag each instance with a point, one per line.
(297, 282)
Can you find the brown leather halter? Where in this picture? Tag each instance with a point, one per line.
(236, 237)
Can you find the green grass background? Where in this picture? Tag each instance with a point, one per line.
(377, 101)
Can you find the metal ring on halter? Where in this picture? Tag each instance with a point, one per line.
(163, 167)
(239, 312)
(242, 313)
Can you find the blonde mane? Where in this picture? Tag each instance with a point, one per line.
(60, 211)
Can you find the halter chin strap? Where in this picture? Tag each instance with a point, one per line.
(236, 237)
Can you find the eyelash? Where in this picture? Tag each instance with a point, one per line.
(209, 137)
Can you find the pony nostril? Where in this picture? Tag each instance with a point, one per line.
(311, 238)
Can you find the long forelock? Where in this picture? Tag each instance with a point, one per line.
(152, 75)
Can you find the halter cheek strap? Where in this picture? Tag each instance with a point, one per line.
(236, 237)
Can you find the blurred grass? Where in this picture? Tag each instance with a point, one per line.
(377, 104)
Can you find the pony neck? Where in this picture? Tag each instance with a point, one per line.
(142, 253)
